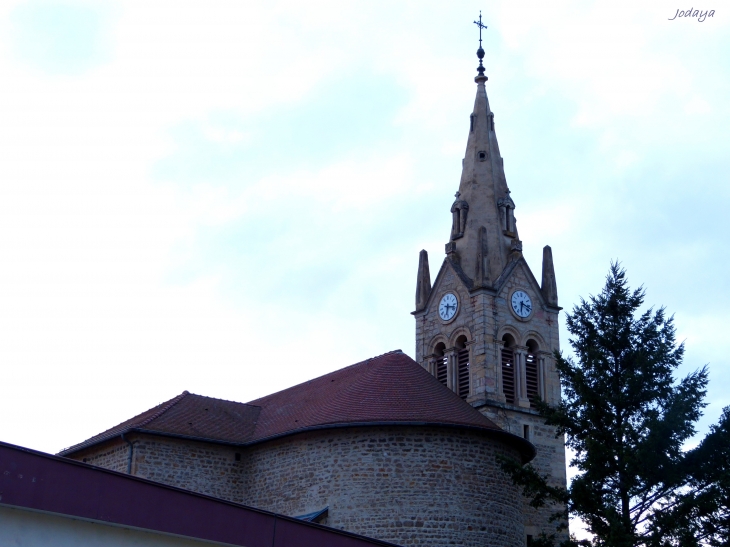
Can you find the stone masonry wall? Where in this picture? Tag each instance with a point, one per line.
(413, 486)
(550, 460)
(202, 467)
(407, 485)
(113, 455)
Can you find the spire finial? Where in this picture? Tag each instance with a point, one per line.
(480, 52)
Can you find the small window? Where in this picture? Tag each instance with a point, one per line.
(526, 432)
(482, 155)
(237, 456)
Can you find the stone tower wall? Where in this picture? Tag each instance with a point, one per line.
(485, 315)
(550, 460)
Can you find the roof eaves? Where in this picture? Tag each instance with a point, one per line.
(72, 450)
(188, 437)
(526, 448)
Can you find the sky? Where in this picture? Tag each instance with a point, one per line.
(229, 198)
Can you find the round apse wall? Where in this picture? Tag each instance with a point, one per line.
(409, 485)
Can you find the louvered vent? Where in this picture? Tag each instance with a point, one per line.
(463, 359)
(531, 377)
(508, 374)
(441, 372)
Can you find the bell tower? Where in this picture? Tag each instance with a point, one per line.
(487, 328)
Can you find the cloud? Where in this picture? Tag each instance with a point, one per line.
(62, 37)
(231, 198)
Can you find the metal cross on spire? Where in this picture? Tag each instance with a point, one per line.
(480, 51)
(481, 26)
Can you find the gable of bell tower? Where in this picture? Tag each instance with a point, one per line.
(486, 328)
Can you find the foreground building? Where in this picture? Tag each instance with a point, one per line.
(391, 448)
(380, 448)
(47, 500)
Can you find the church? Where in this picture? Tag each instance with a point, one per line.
(400, 450)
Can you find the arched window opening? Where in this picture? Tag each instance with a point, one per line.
(462, 359)
(440, 369)
(531, 373)
(459, 211)
(508, 368)
(507, 213)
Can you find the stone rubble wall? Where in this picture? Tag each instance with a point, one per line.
(409, 486)
(424, 486)
(202, 467)
(112, 455)
(206, 468)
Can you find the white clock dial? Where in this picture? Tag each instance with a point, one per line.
(448, 306)
(521, 303)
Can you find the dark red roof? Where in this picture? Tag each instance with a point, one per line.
(40, 482)
(187, 415)
(389, 389)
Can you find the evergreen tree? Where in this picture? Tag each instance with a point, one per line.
(626, 419)
(700, 514)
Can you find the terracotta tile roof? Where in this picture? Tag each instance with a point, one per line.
(391, 388)
(187, 415)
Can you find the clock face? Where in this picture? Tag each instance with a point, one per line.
(521, 303)
(448, 306)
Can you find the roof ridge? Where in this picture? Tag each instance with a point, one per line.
(219, 399)
(171, 403)
(395, 351)
(386, 353)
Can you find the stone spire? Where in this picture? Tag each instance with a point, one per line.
(488, 240)
(549, 286)
(423, 284)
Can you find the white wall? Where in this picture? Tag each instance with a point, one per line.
(23, 528)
